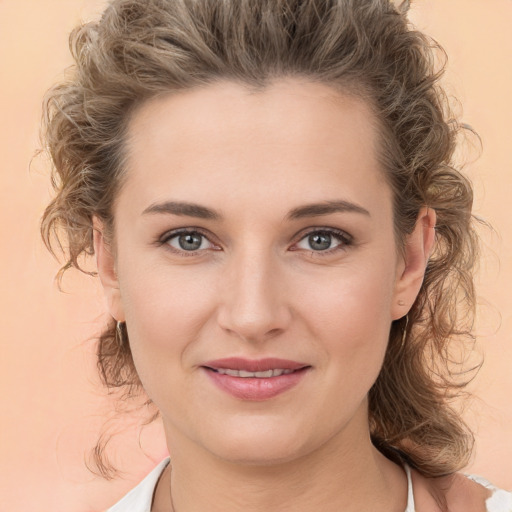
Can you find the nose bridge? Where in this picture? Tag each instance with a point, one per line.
(251, 302)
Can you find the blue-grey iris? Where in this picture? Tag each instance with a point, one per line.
(190, 241)
(320, 241)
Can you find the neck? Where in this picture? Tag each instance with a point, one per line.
(340, 475)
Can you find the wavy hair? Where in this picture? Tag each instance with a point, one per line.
(368, 48)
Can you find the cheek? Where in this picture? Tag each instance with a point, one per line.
(165, 311)
(161, 304)
(349, 317)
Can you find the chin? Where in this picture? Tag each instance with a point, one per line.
(257, 446)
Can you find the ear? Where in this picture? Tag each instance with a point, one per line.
(411, 268)
(105, 262)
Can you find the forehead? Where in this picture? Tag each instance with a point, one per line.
(308, 110)
(294, 137)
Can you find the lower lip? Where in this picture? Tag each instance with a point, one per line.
(254, 388)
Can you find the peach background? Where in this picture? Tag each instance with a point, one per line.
(53, 406)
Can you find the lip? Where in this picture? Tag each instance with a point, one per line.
(255, 388)
(254, 365)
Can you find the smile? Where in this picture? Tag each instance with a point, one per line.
(245, 374)
(255, 380)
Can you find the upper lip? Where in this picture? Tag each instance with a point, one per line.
(254, 365)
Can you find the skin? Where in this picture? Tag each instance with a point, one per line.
(257, 288)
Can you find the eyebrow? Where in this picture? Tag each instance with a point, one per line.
(202, 212)
(325, 208)
(181, 208)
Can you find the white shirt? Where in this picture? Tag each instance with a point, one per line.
(140, 497)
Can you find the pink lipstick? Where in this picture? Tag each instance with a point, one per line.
(250, 379)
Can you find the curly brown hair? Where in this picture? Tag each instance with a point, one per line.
(368, 48)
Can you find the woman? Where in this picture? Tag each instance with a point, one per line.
(283, 242)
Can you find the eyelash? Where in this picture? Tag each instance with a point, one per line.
(341, 236)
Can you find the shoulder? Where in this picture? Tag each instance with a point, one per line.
(500, 499)
(459, 493)
(464, 494)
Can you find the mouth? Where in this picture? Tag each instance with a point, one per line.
(255, 368)
(275, 372)
(255, 380)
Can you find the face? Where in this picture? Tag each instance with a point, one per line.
(253, 227)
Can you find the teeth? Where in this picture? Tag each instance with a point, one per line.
(260, 375)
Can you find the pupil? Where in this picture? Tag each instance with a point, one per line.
(190, 242)
(320, 241)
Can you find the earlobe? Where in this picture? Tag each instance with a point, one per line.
(105, 262)
(411, 271)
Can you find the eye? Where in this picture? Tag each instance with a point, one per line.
(187, 241)
(325, 241)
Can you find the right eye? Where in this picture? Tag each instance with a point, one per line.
(187, 241)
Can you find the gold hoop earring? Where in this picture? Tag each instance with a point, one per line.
(120, 334)
(404, 332)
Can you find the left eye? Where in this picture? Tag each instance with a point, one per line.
(322, 241)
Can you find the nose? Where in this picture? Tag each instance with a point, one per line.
(252, 296)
